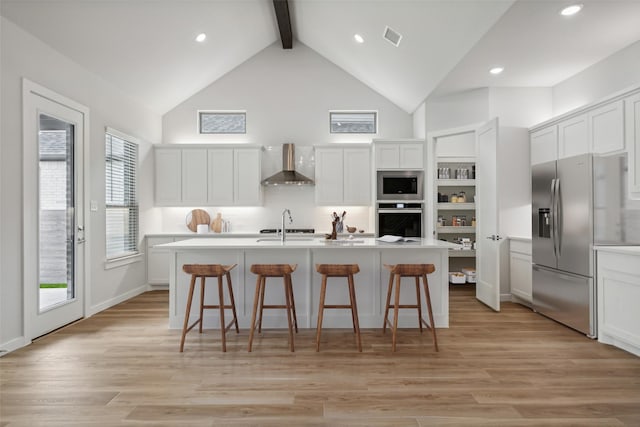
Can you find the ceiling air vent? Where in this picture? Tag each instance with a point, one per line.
(392, 36)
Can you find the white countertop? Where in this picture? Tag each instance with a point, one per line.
(520, 239)
(243, 234)
(272, 242)
(629, 250)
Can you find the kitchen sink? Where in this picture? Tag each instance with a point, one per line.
(290, 238)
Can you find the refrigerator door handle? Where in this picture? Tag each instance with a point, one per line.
(557, 220)
(553, 216)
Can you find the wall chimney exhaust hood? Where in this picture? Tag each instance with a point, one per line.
(288, 174)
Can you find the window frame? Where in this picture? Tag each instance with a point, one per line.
(375, 119)
(125, 257)
(221, 112)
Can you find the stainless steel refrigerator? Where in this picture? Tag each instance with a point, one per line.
(576, 202)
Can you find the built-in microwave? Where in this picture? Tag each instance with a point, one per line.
(400, 185)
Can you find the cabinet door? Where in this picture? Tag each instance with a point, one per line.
(411, 156)
(158, 261)
(220, 176)
(387, 156)
(168, 177)
(632, 123)
(357, 176)
(544, 145)
(194, 176)
(329, 176)
(573, 137)
(606, 126)
(520, 274)
(246, 183)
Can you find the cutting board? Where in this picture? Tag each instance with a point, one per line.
(195, 217)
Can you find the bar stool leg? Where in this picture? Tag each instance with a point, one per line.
(293, 303)
(222, 322)
(419, 303)
(323, 291)
(186, 314)
(262, 291)
(429, 309)
(233, 302)
(354, 311)
(386, 306)
(256, 298)
(287, 293)
(202, 280)
(396, 312)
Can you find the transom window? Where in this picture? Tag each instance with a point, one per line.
(353, 121)
(222, 122)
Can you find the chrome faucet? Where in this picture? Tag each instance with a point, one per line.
(283, 230)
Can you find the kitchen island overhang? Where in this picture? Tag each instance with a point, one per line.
(371, 283)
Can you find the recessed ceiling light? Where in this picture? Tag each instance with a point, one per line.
(496, 70)
(358, 38)
(571, 10)
(201, 37)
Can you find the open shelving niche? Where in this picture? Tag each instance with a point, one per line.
(458, 259)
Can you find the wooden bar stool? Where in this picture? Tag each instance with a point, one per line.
(409, 270)
(338, 270)
(273, 270)
(203, 271)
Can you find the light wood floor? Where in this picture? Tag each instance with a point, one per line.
(514, 368)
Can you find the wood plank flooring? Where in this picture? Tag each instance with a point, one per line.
(513, 368)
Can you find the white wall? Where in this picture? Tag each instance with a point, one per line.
(457, 110)
(22, 55)
(420, 122)
(615, 73)
(520, 106)
(287, 95)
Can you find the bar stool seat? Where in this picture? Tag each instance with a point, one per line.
(203, 271)
(338, 270)
(409, 270)
(273, 270)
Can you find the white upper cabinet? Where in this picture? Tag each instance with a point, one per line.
(399, 155)
(632, 112)
(606, 127)
(168, 176)
(220, 176)
(544, 145)
(357, 176)
(343, 176)
(194, 175)
(246, 178)
(573, 137)
(207, 176)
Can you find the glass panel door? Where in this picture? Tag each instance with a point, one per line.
(56, 212)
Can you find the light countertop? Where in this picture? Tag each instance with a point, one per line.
(629, 250)
(256, 234)
(520, 239)
(298, 242)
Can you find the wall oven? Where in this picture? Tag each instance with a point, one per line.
(400, 185)
(399, 219)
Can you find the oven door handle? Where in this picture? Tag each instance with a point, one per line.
(394, 211)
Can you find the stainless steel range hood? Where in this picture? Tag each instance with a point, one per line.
(288, 174)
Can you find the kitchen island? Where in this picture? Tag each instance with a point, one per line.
(371, 283)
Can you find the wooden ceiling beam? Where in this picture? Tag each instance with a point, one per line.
(284, 23)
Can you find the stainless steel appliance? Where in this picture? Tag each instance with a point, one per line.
(576, 202)
(400, 219)
(288, 174)
(400, 185)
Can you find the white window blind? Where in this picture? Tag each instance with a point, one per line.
(121, 155)
(353, 122)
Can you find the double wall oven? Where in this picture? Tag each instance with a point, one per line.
(400, 206)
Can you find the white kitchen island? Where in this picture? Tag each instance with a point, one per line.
(371, 282)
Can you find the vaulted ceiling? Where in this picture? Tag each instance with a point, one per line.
(147, 47)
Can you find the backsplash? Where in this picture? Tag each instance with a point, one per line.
(299, 200)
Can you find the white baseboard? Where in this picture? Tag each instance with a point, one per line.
(505, 297)
(117, 300)
(12, 345)
(158, 286)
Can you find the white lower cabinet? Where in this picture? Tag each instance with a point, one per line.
(618, 284)
(158, 262)
(520, 269)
